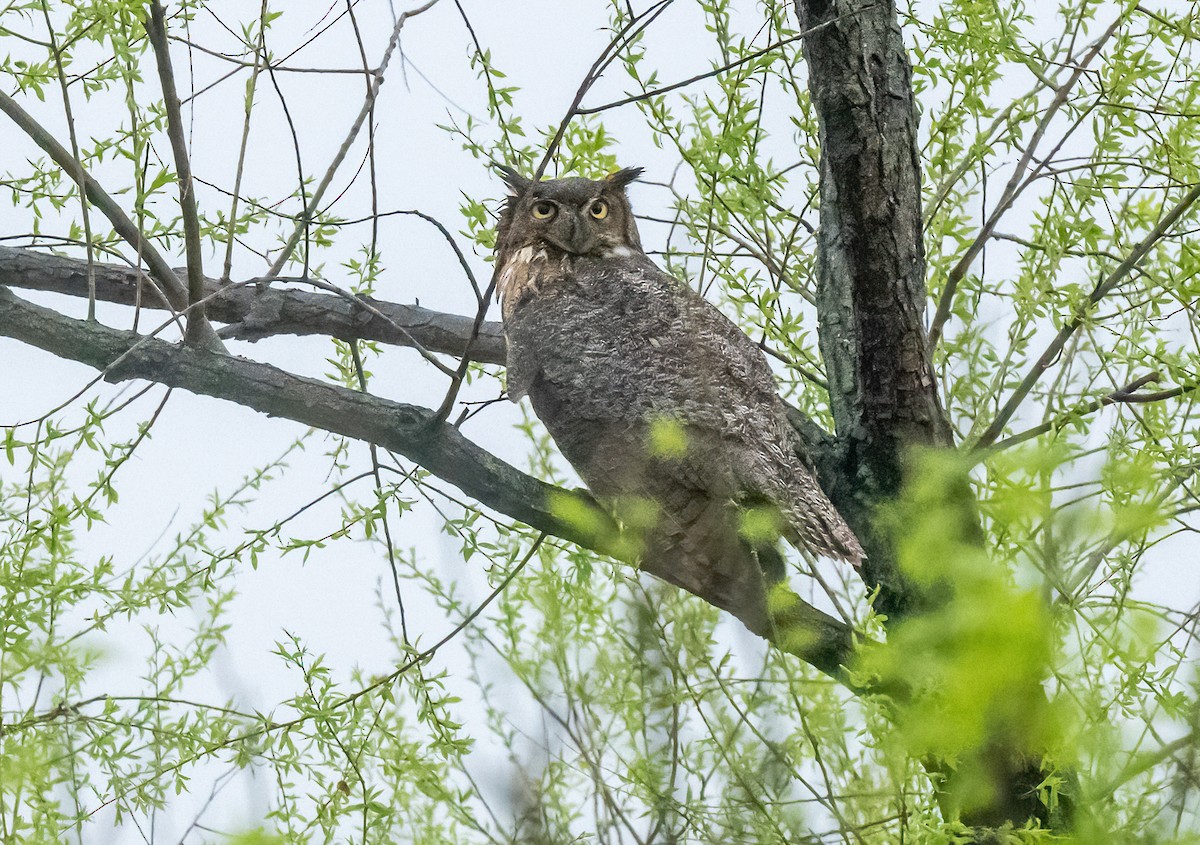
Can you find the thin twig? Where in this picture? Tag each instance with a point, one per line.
(78, 175)
(275, 66)
(1016, 184)
(627, 33)
(314, 202)
(462, 258)
(251, 87)
(356, 349)
(156, 29)
(443, 412)
(171, 289)
(1120, 395)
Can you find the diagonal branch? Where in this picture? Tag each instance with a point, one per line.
(636, 25)
(1017, 183)
(717, 71)
(1122, 395)
(314, 202)
(1052, 352)
(408, 430)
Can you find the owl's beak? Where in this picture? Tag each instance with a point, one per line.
(579, 237)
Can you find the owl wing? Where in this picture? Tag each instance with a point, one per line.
(760, 440)
(742, 419)
(520, 369)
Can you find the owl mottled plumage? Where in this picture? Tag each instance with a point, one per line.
(653, 395)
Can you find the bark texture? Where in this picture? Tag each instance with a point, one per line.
(870, 266)
(871, 305)
(253, 311)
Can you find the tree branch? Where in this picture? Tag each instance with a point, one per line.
(253, 312)
(171, 288)
(408, 430)
(156, 28)
(1103, 288)
(871, 304)
(1122, 395)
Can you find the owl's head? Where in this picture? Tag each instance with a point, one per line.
(577, 216)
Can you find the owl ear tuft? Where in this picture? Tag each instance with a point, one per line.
(623, 177)
(516, 183)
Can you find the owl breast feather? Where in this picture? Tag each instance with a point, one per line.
(603, 332)
(616, 342)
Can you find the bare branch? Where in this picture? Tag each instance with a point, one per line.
(1121, 395)
(314, 202)
(156, 29)
(255, 312)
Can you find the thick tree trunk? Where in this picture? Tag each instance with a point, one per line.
(870, 266)
(871, 305)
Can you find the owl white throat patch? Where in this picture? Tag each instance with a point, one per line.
(520, 275)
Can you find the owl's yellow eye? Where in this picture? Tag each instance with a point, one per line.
(599, 209)
(543, 210)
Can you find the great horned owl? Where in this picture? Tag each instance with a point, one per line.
(654, 396)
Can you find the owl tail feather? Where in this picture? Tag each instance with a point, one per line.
(829, 538)
(701, 545)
